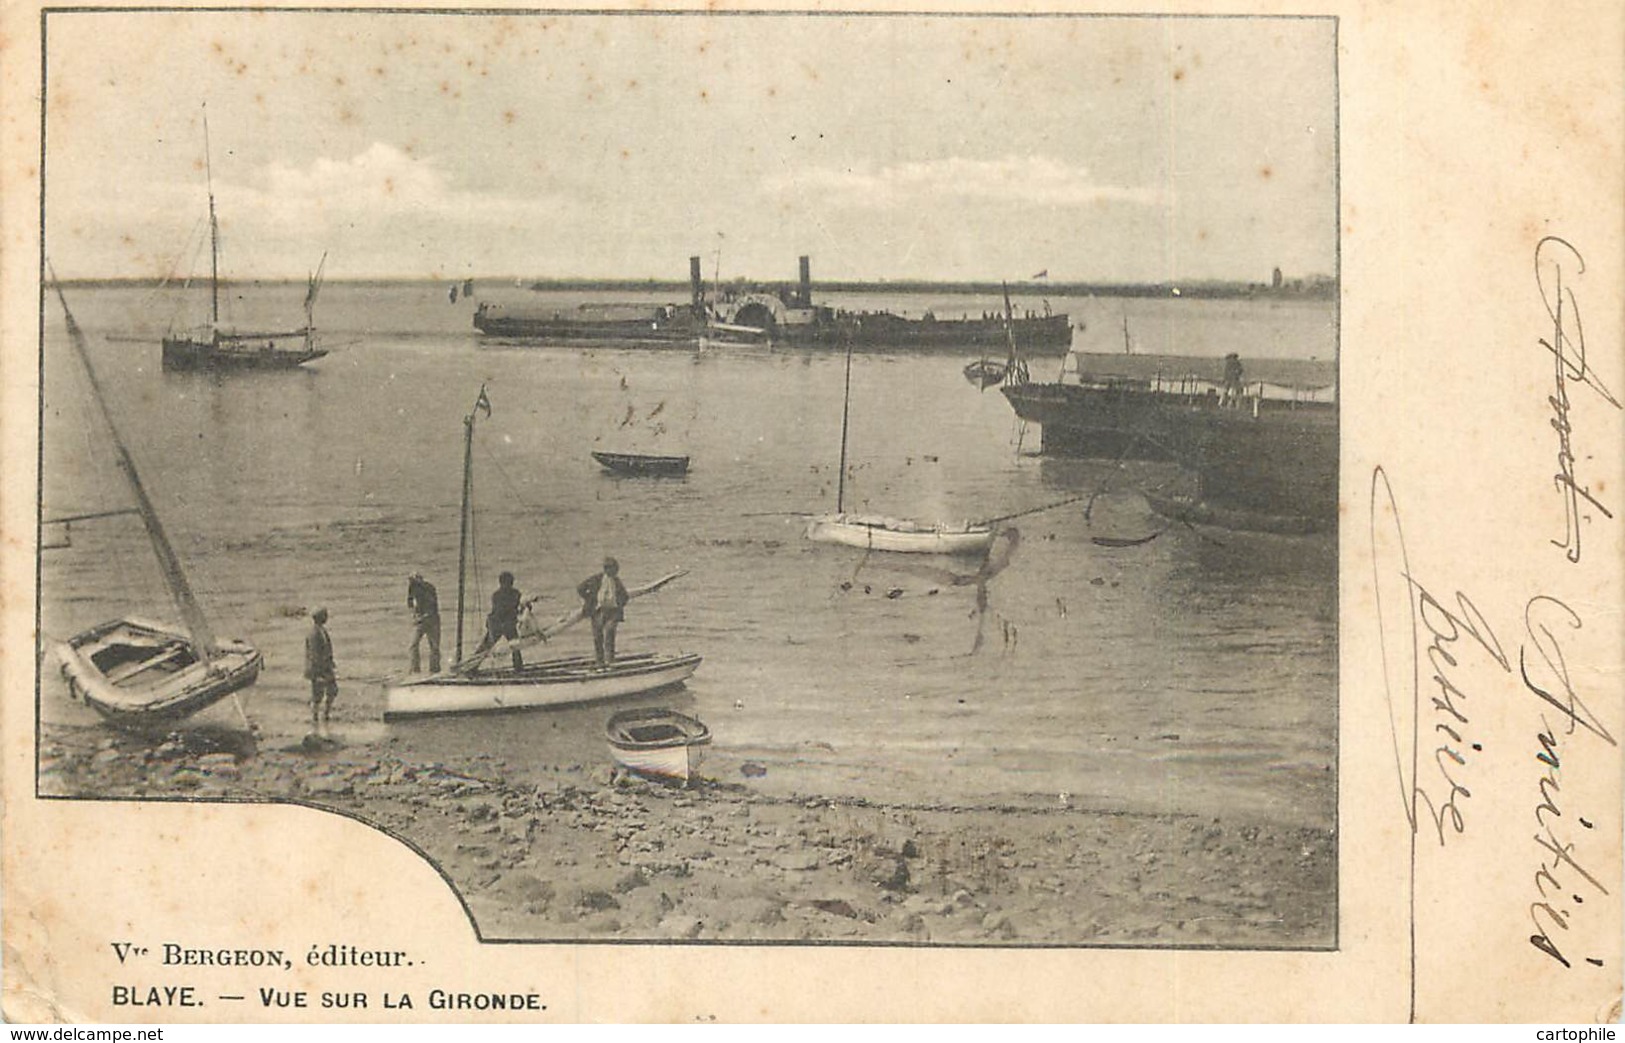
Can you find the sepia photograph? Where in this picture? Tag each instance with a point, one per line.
(693, 489)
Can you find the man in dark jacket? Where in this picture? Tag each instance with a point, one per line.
(425, 606)
(504, 618)
(319, 669)
(603, 600)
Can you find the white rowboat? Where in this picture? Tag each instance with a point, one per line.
(658, 742)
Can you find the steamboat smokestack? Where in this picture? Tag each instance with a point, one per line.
(695, 283)
(805, 296)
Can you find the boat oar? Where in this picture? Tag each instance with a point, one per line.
(564, 622)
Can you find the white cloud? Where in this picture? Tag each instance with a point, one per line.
(383, 178)
(385, 181)
(376, 211)
(1018, 180)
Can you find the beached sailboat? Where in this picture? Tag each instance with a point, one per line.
(213, 347)
(877, 532)
(470, 686)
(658, 742)
(144, 675)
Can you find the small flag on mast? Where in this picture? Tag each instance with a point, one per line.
(483, 402)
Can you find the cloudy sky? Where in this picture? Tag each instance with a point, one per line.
(1110, 149)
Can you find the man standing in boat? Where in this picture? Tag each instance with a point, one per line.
(603, 600)
(503, 622)
(319, 669)
(425, 606)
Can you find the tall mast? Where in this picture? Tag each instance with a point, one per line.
(197, 625)
(846, 409)
(1009, 333)
(480, 403)
(462, 536)
(214, 227)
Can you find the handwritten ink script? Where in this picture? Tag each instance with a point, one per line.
(1554, 257)
(1560, 870)
(1440, 653)
(1414, 624)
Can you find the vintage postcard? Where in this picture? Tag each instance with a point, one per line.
(784, 514)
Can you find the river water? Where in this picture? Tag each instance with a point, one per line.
(1193, 672)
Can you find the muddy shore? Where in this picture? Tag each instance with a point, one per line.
(589, 852)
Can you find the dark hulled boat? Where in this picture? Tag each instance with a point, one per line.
(215, 348)
(786, 317)
(1263, 459)
(642, 465)
(791, 319)
(631, 325)
(628, 325)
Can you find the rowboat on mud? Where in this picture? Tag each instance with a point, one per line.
(141, 675)
(658, 742)
(472, 685)
(642, 465)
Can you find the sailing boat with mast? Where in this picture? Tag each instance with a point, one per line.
(138, 674)
(468, 686)
(214, 347)
(874, 532)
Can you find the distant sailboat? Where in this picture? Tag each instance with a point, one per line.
(139, 674)
(874, 532)
(213, 347)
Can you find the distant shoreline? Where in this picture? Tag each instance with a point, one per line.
(1318, 288)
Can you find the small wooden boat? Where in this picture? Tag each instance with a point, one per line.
(551, 682)
(872, 532)
(658, 742)
(640, 465)
(986, 373)
(141, 675)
